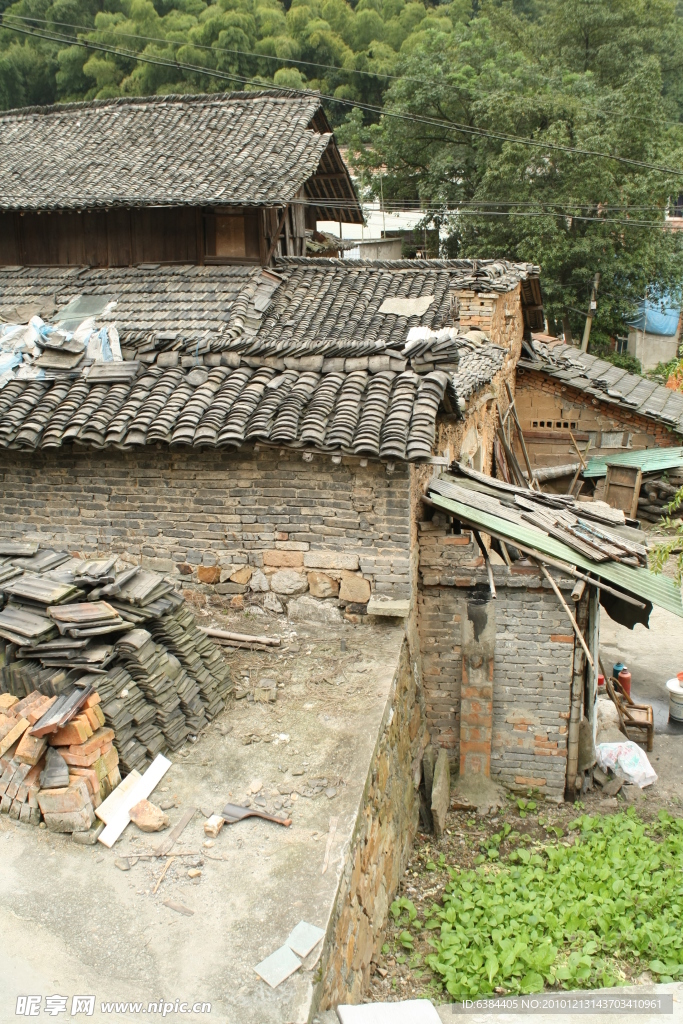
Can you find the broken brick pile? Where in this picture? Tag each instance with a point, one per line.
(85, 746)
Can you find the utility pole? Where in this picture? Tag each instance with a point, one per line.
(591, 313)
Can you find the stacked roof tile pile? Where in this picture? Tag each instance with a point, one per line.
(67, 619)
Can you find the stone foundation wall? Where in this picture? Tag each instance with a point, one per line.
(380, 846)
(527, 720)
(249, 525)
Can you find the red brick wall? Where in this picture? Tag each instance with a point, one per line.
(541, 398)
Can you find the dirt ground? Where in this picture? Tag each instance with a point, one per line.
(653, 656)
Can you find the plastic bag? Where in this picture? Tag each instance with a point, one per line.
(627, 761)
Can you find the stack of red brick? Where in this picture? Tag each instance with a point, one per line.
(84, 743)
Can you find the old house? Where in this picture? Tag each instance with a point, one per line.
(228, 178)
(187, 390)
(560, 389)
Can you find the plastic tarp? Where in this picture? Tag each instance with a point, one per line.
(658, 316)
(24, 348)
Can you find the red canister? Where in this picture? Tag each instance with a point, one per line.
(625, 680)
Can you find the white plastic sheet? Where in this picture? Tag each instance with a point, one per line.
(628, 762)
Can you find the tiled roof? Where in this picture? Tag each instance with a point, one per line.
(302, 356)
(219, 150)
(608, 383)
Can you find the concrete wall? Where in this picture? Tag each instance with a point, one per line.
(532, 664)
(203, 516)
(380, 846)
(652, 349)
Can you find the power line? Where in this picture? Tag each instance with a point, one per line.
(223, 49)
(412, 118)
(282, 60)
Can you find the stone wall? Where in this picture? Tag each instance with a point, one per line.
(380, 846)
(610, 426)
(527, 720)
(251, 525)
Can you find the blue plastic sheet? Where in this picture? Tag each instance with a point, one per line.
(658, 316)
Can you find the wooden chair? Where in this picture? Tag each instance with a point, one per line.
(638, 717)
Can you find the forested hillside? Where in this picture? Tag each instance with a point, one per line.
(543, 130)
(317, 44)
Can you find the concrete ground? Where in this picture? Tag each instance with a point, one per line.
(652, 655)
(74, 923)
(448, 1013)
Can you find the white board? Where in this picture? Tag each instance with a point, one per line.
(140, 791)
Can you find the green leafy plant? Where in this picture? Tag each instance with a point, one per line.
(565, 915)
(673, 545)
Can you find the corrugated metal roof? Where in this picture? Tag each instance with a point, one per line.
(642, 583)
(650, 460)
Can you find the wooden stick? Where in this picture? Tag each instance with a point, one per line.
(564, 604)
(276, 236)
(513, 465)
(487, 561)
(506, 554)
(166, 844)
(244, 638)
(576, 449)
(532, 479)
(163, 874)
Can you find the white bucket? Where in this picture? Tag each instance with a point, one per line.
(675, 689)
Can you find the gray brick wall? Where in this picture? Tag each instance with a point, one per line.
(532, 666)
(211, 508)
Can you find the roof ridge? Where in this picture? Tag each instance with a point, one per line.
(457, 264)
(201, 98)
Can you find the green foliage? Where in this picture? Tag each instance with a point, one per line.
(317, 44)
(673, 545)
(596, 75)
(567, 914)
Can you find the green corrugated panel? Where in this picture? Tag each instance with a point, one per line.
(642, 583)
(650, 460)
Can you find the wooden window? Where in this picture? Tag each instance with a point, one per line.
(232, 236)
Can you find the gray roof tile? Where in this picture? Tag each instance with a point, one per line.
(317, 365)
(225, 149)
(608, 383)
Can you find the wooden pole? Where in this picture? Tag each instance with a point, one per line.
(487, 561)
(564, 604)
(591, 313)
(578, 673)
(532, 480)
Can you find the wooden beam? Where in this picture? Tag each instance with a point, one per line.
(276, 237)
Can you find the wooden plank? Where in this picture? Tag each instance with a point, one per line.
(9, 248)
(119, 242)
(110, 807)
(95, 238)
(223, 634)
(168, 841)
(622, 488)
(140, 791)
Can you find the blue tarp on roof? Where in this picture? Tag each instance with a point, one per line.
(658, 316)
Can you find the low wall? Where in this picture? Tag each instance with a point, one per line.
(204, 516)
(380, 846)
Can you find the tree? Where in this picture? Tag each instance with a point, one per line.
(565, 85)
